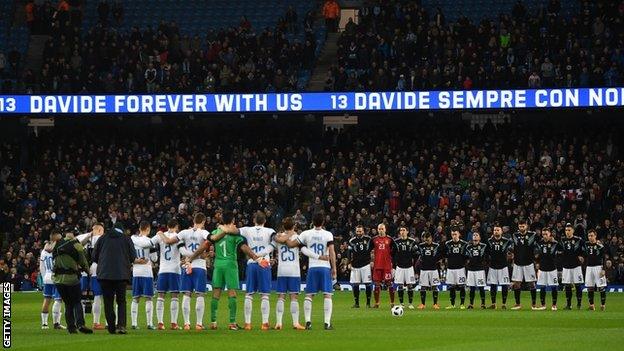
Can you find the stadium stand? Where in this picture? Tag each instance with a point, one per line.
(417, 172)
(266, 48)
(399, 45)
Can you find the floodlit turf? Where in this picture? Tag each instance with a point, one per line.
(354, 330)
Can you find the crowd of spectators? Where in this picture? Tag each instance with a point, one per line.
(104, 59)
(399, 45)
(424, 177)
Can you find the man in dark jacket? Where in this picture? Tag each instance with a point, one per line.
(114, 254)
(69, 261)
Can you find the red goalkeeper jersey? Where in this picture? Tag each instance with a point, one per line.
(382, 249)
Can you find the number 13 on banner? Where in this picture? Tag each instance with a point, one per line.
(339, 102)
(7, 105)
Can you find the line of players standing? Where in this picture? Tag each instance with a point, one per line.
(387, 262)
(188, 277)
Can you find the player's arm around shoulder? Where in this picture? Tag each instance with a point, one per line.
(200, 250)
(332, 259)
(249, 252)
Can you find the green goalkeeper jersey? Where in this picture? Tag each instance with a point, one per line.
(226, 250)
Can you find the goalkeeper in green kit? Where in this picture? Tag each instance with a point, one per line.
(225, 275)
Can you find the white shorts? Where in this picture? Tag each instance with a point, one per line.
(498, 276)
(361, 275)
(547, 278)
(404, 276)
(429, 278)
(456, 276)
(594, 277)
(572, 275)
(476, 278)
(523, 273)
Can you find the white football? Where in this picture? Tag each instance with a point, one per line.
(397, 311)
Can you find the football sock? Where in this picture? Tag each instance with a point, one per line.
(199, 309)
(493, 291)
(435, 297)
(401, 292)
(134, 312)
(369, 291)
(590, 296)
(307, 308)
(294, 311)
(214, 306)
(568, 293)
(603, 296)
(452, 294)
(410, 295)
(149, 312)
(327, 309)
(554, 295)
(462, 295)
(232, 307)
(517, 296)
(265, 308)
(186, 309)
(174, 310)
(97, 308)
(391, 292)
(482, 295)
(56, 311)
(279, 310)
(423, 296)
(160, 309)
(356, 293)
(44, 318)
(533, 296)
(248, 306)
(472, 295)
(579, 293)
(543, 296)
(505, 293)
(377, 290)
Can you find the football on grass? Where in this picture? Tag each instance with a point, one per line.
(397, 311)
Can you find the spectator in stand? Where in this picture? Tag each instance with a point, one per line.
(291, 20)
(118, 12)
(534, 80)
(103, 10)
(30, 14)
(331, 13)
(150, 78)
(2, 64)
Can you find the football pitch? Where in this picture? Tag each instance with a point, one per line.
(363, 329)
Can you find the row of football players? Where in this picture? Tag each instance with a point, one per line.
(392, 261)
(189, 276)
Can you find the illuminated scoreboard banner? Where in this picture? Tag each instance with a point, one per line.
(319, 102)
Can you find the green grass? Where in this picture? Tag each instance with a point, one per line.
(354, 330)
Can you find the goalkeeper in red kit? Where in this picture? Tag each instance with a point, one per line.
(383, 248)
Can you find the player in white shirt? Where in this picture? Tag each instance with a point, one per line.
(321, 273)
(288, 273)
(88, 240)
(260, 240)
(142, 277)
(168, 275)
(194, 278)
(46, 266)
